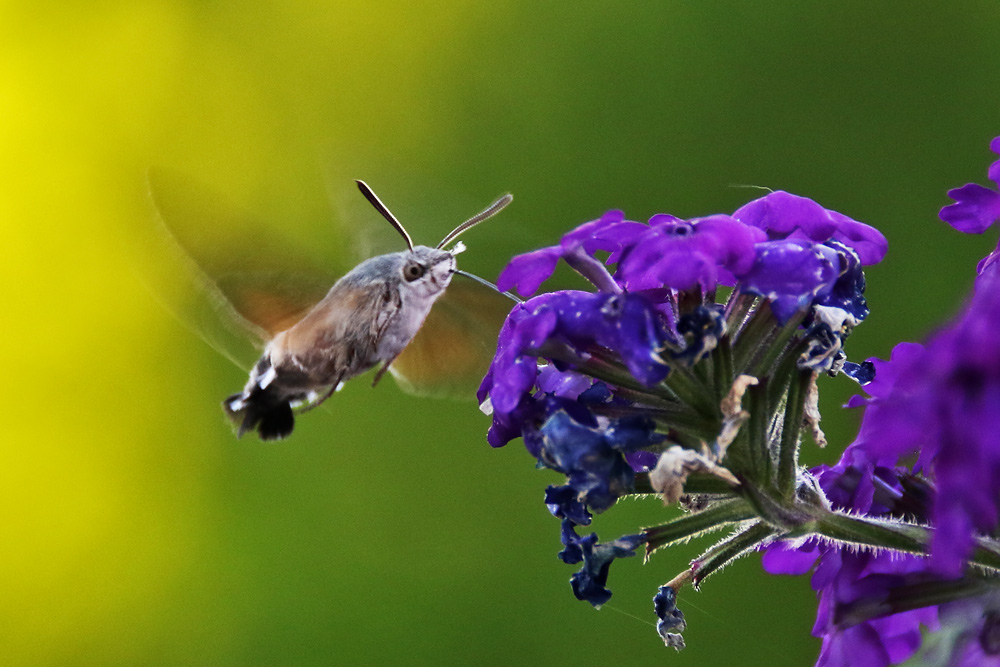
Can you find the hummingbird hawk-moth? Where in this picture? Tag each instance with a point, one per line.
(368, 318)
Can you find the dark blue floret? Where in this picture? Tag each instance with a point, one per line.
(572, 552)
(594, 459)
(564, 503)
(631, 434)
(534, 411)
(862, 373)
(590, 583)
(595, 469)
(671, 618)
(702, 328)
(597, 394)
(825, 348)
(848, 290)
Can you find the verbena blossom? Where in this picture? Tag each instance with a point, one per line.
(607, 387)
(936, 409)
(692, 370)
(848, 579)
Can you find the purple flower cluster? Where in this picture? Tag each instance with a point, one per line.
(599, 384)
(780, 246)
(940, 404)
(647, 384)
(936, 409)
(785, 248)
(845, 578)
(568, 322)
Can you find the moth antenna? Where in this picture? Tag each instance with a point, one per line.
(483, 281)
(751, 186)
(489, 212)
(386, 213)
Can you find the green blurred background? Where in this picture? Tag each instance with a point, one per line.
(138, 531)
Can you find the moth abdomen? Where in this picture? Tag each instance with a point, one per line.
(263, 410)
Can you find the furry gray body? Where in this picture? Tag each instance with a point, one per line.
(368, 317)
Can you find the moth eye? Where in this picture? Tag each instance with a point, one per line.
(412, 272)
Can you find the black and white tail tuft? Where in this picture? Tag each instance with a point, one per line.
(260, 410)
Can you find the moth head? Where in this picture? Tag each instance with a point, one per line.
(429, 270)
(426, 271)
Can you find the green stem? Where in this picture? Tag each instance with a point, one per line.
(704, 371)
(726, 551)
(888, 534)
(737, 308)
(773, 346)
(788, 445)
(716, 516)
(906, 597)
(748, 340)
(722, 365)
(613, 372)
(753, 435)
(779, 513)
(784, 374)
(868, 531)
(691, 391)
(987, 551)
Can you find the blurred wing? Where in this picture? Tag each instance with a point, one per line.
(453, 349)
(251, 283)
(271, 302)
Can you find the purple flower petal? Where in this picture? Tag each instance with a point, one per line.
(975, 207)
(567, 384)
(783, 215)
(780, 213)
(641, 461)
(682, 255)
(870, 244)
(528, 271)
(626, 324)
(604, 228)
(791, 274)
(974, 625)
(974, 210)
(780, 558)
(994, 171)
(615, 239)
